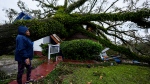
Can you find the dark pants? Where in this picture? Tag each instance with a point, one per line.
(21, 66)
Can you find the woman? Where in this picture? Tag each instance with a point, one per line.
(24, 53)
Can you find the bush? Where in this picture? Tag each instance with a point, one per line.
(44, 49)
(82, 49)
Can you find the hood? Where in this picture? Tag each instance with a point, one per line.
(22, 30)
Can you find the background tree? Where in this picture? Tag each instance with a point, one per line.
(104, 17)
(10, 14)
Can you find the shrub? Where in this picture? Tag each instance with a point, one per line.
(82, 49)
(44, 49)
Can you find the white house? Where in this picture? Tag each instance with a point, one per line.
(36, 47)
(48, 39)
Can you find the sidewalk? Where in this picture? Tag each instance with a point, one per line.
(44, 69)
(41, 71)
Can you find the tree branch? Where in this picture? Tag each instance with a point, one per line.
(142, 22)
(110, 6)
(65, 3)
(127, 16)
(47, 5)
(75, 5)
(98, 27)
(92, 5)
(120, 49)
(100, 8)
(102, 35)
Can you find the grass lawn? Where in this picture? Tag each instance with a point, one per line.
(6, 57)
(81, 74)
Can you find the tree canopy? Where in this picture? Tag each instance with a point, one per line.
(104, 18)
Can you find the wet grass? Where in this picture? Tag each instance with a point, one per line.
(6, 57)
(83, 74)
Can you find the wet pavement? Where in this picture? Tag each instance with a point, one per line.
(9, 69)
(41, 71)
(38, 73)
(8, 65)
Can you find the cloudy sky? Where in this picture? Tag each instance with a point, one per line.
(6, 4)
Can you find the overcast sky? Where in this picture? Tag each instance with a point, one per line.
(6, 4)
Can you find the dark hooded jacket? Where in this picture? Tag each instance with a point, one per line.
(24, 46)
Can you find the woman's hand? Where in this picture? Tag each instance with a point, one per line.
(27, 61)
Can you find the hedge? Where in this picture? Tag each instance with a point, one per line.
(82, 49)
